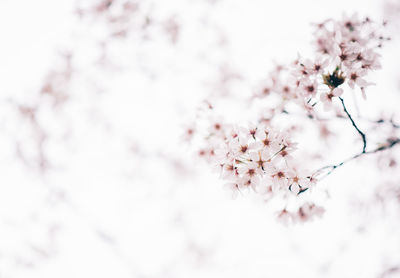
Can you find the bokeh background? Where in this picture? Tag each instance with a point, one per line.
(96, 180)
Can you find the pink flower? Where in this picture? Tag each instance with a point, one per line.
(229, 171)
(354, 77)
(317, 66)
(241, 146)
(279, 179)
(327, 98)
(249, 132)
(261, 157)
(267, 138)
(217, 127)
(309, 88)
(299, 181)
(249, 170)
(248, 182)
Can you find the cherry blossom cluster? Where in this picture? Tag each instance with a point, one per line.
(257, 158)
(260, 158)
(346, 51)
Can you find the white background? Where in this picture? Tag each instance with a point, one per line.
(123, 196)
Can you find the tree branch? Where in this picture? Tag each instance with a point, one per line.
(390, 144)
(355, 126)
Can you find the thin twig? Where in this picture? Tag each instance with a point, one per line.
(355, 126)
(390, 144)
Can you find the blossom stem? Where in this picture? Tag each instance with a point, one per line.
(355, 126)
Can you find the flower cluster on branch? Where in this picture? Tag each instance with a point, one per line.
(262, 157)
